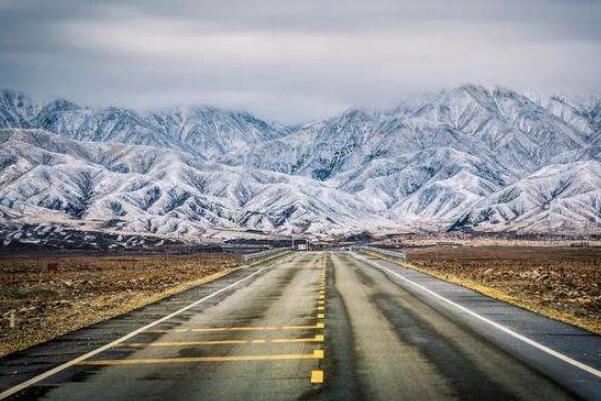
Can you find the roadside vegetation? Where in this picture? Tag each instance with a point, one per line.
(560, 282)
(46, 297)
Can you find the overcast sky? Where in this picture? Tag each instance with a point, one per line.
(293, 60)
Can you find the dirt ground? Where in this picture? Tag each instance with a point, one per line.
(560, 282)
(49, 297)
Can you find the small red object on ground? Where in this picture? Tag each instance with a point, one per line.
(52, 266)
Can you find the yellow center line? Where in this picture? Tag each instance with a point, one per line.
(317, 376)
(317, 338)
(243, 328)
(316, 354)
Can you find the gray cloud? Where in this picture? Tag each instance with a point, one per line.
(293, 61)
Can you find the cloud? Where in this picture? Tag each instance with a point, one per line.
(293, 61)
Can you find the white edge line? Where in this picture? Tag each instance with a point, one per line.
(496, 325)
(36, 379)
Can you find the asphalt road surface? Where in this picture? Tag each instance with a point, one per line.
(315, 326)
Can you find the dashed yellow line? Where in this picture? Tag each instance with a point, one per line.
(317, 338)
(317, 376)
(316, 354)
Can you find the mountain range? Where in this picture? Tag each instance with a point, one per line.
(466, 159)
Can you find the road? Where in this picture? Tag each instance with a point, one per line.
(315, 326)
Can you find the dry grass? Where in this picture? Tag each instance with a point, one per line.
(561, 282)
(89, 289)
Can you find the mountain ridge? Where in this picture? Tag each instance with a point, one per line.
(449, 161)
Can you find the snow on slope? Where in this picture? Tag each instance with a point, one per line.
(423, 165)
(426, 163)
(201, 131)
(518, 132)
(147, 189)
(16, 110)
(212, 132)
(556, 198)
(106, 125)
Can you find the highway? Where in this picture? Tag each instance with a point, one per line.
(315, 326)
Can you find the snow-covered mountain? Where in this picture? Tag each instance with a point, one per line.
(204, 132)
(518, 132)
(469, 158)
(16, 110)
(557, 198)
(46, 177)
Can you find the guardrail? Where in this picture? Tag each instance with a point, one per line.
(391, 254)
(255, 257)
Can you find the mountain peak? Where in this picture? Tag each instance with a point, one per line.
(16, 109)
(13, 94)
(475, 89)
(60, 104)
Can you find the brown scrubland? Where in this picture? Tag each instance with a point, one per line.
(50, 296)
(563, 282)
